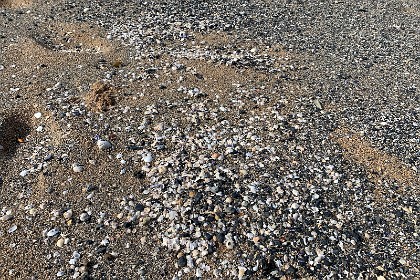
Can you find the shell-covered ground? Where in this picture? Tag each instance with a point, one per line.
(209, 140)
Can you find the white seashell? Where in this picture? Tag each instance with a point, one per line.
(317, 104)
(172, 215)
(53, 232)
(148, 158)
(68, 214)
(12, 229)
(6, 217)
(77, 168)
(84, 217)
(241, 272)
(38, 115)
(103, 144)
(60, 242)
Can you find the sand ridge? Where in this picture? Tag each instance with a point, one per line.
(378, 163)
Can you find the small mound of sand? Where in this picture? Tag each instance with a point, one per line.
(100, 97)
(15, 3)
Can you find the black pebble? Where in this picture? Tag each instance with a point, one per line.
(208, 236)
(139, 207)
(101, 250)
(128, 225)
(399, 213)
(140, 174)
(220, 237)
(291, 271)
(182, 261)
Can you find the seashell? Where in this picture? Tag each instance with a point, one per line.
(103, 144)
(77, 167)
(53, 232)
(148, 158)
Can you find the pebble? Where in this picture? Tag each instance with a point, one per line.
(77, 167)
(162, 169)
(12, 229)
(6, 217)
(318, 104)
(139, 207)
(148, 158)
(52, 232)
(60, 242)
(103, 144)
(84, 217)
(241, 272)
(182, 261)
(38, 115)
(24, 173)
(68, 214)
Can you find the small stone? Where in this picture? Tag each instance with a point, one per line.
(60, 243)
(103, 144)
(158, 127)
(109, 257)
(215, 155)
(229, 244)
(48, 157)
(317, 104)
(84, 217)
(60, 273)
(38, 115)
(139, 207)
(182, 261)
(148, 158)
(68, 214)
(220, 237)
(162, 169)
(6, 217)
(24, 173)
(52, 232)
(172, 215)
(12, 229)
(241, 272)
(77, 167)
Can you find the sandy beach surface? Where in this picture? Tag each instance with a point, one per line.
(209, 139)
